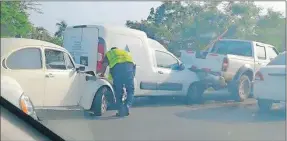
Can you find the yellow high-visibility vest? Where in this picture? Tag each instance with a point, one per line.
(110, 78)
(116, 56)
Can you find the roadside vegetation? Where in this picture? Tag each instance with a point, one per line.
(177, 25)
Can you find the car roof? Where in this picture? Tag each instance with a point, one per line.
(156, 45)
(115, 28)
(10, 44)
(246, 41)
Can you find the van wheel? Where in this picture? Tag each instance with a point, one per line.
(243, 89)
(264, 105)
(100, 102)
(194, 94)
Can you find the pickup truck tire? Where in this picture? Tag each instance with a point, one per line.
(243, 89)
(194, 94)
(100, 102)
(264, 105)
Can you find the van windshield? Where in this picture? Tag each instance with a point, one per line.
(155, 44)
(241, 48)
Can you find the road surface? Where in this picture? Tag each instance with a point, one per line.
(169, 119)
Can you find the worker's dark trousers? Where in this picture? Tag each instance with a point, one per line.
(123, 75)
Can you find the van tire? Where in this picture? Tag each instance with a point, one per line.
(243, 89)
(194, 94)
(100, 102)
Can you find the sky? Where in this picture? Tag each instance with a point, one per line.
(114, 13)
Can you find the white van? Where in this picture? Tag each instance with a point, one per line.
(158, 71)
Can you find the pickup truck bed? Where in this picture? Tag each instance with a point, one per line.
(229, 63)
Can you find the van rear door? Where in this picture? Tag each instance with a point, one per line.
(82, 43)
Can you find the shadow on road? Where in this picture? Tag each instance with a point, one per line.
(158, 101)
(233, 114)
(155, 101)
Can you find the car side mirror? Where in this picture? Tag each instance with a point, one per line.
(181, 66)
(80, 68)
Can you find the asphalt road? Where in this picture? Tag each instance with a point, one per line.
(166, 118)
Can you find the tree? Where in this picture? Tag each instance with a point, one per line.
(40, 33)
(14, 19)
(202, 23)
(271, 29)
(62, 25)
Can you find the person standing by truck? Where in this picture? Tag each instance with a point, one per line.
(122, 70)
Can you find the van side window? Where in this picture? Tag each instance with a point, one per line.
(165, 60)
(271, 52)
(55, 59)
(27, 58)
(261, 53)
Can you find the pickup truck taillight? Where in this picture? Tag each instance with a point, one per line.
(259, 76)
(225, 64)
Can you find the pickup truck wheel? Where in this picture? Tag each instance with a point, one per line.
(194, 94)
(264, 105)
(100, 102)
(243, 89)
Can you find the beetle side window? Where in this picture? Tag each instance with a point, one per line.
(69, 62)
(165, 60)
(261, 53)
(55, 59)
(27, 58)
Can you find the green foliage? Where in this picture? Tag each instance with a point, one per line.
(193, 25)
(61, 28)
(15, 22)
(14, 19)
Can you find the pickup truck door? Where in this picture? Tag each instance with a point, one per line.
(169, 81)
(260, 56)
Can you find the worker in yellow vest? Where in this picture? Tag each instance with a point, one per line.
(110, 78)
(122, 71)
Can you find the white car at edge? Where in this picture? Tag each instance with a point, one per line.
(270, 83)
(45, 74)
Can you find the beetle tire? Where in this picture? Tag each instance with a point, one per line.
(100, 102)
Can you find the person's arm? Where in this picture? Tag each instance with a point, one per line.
(105, 65)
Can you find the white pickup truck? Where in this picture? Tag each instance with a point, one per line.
(229, 63)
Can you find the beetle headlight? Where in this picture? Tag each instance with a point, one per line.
(27, 106)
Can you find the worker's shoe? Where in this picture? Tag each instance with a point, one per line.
(124, 111)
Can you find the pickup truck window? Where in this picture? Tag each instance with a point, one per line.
(272, 53)
(240, 48)
(279, 60)
(55, 59)
(27, 58)
(165, 60)
(261, 53)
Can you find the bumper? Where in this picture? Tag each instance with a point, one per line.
(262, 91)
(212, 80)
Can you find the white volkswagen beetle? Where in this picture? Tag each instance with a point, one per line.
(47, 74)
